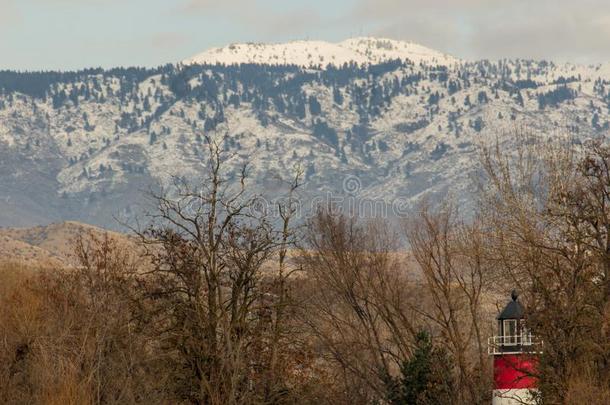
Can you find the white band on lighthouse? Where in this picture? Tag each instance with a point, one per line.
(517, 396)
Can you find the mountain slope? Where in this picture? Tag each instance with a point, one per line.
(87, 146)
(51, 244)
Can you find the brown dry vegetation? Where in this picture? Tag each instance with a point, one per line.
(216, 305)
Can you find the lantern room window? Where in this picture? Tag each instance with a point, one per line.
(526, 335)
(510, 331)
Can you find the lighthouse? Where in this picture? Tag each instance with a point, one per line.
(515, 357)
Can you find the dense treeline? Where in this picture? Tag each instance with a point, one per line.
(281, 89)
(220, 305)
(37, 84)
(204, 98)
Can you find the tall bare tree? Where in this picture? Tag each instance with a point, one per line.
(546, 216)
(360, 303)
(208, 247)
(450, 256)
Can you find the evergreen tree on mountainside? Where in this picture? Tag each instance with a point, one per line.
(519, 99)
(322, 131)
(234, 100)
(337, 96)
(146, 105)
(595, 122)
(299, 108)
(314, 106)
(555, 97)
(453, 87)
(478, 124)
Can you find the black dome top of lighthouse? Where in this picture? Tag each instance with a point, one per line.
(513, 309)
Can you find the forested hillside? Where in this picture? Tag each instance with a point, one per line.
(87, 144)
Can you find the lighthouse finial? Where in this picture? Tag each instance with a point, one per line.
(514, 295)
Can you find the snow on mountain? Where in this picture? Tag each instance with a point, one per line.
(85, 146)
(378, 50)
(320, 53)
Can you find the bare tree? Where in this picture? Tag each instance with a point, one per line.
(219, 305)
(451, 259)
(282, 329)
(359, 308)
(546, 214)
(207, 251)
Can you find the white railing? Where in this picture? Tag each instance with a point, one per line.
(512, 344)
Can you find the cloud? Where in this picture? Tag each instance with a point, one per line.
(9, 14)
(564, 31)
(471, 29)
(394, 8)
(211, 5)
(558, 29)
(168, 40)
(263, 18)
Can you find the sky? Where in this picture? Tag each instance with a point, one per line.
(73, 34)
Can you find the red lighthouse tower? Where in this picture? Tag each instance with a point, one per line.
(515, 357)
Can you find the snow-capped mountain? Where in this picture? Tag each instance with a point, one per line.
(320, 53)
(86, 146)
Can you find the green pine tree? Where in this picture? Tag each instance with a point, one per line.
(425, 379)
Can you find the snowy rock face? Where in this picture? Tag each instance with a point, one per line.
(380, 121)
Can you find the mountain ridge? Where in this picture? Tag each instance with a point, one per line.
(309, 53)
(87, 145)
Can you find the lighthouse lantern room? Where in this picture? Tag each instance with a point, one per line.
(515, 357)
